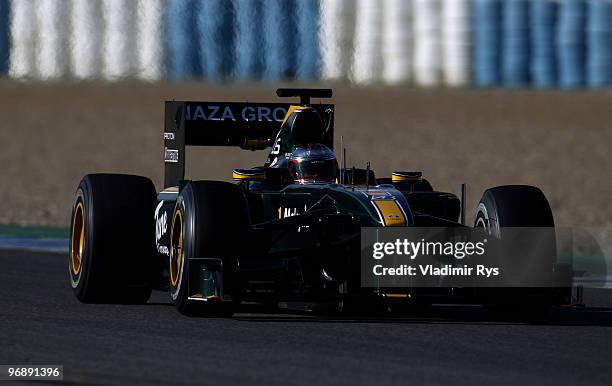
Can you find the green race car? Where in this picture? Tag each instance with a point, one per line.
(287, 232)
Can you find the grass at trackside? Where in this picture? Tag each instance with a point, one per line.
(36, 231)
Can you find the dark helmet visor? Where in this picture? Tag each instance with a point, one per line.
(313, 163)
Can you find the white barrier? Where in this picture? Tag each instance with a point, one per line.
(52, 19)
(335, 37)
(427, 50)
(23, 38)
(397, 41)
(367, 61)
(119, 48)
(456, 42)
(363, 41)
(86, 38)
(150, 40)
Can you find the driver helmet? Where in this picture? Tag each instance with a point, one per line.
(313, 164)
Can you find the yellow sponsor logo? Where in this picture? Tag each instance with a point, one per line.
(390, 212)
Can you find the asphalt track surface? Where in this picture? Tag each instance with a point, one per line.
(42, 322)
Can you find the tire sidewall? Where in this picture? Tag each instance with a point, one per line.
(486, 215)
(75, 279)
(178, 292)
(79, 282)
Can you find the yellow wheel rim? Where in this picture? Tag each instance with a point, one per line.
(77, 241)
(176, 247)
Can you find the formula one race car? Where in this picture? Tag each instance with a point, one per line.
(287, 232)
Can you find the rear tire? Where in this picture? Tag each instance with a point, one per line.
(111, 239)
(211, 221)
(515, 206)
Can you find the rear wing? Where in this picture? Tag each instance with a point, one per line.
(251, 126)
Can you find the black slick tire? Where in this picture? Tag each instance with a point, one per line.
(112, 239)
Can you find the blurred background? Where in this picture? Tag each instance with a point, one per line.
(456, 43)
(485, 92)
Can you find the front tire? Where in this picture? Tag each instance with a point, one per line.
(513, 206)
(111, 239)
(209, 231)
(516, 206)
